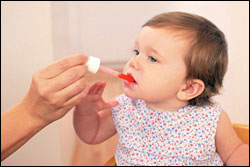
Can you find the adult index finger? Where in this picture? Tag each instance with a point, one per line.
(62, 65)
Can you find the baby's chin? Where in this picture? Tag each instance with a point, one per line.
(130, 94)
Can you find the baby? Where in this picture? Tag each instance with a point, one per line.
(166, 116)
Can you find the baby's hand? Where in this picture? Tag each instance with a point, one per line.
(94, 102)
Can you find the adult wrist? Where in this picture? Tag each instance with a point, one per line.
(28, 111)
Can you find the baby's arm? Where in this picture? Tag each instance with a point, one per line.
(94, 128)
(229, 146)
(92, 118)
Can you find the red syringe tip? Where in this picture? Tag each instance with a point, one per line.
(126, 77)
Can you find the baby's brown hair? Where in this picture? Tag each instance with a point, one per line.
(207, 58)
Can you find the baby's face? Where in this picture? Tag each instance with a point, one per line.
(157, 65)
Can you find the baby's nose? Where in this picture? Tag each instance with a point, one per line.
(134, 63)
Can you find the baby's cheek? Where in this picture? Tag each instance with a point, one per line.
(155, 91)
(150, 89)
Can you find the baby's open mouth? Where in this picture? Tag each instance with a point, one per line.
(131, 76)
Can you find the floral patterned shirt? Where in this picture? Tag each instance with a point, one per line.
(182, 137)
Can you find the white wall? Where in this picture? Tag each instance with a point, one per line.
(26, 46)
(33, 34)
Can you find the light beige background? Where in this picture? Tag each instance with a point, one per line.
(34, 34)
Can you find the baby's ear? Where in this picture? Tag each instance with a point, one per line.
(191, 89)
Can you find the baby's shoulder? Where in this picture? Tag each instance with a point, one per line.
(214, 109)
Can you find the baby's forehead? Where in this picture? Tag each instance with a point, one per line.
(166, 41)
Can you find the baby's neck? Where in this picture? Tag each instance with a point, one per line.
(164, 106)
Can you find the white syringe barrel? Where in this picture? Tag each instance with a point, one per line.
(93, 64)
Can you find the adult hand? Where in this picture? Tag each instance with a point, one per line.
(56, 89)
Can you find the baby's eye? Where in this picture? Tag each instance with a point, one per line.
(152, 59)
(136, 52)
